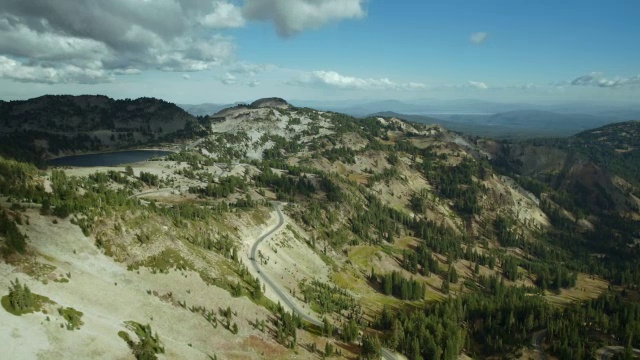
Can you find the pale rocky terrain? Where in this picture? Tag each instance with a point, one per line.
(108, 294)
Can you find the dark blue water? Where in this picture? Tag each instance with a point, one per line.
(108, 159)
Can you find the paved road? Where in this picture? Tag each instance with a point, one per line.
(284, 297)
(537, 339)
(194, 144)
(151, 192)
(608, 352)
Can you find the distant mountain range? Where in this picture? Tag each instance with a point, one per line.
(511, 124)
(204, 109)
(434, 107)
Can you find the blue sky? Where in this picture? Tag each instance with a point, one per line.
(194, 51)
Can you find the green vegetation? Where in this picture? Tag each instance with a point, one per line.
(609, 314)
(72, 316)
(21, 300)
(601, 145)
(149, 179)
(226, 186)
(498, 320)
(330, 298)
(148, 346)
(15, 241)
(457, 184)
(371, 347)
(57, 117)
(342, 153)
(397, 285)
(286, 326)
(226, 147)
(349, 331)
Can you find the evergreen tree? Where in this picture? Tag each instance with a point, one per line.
(328, 349)
(371, 347)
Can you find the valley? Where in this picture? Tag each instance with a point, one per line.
(274, 231)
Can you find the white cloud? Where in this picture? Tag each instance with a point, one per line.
(478, 85)
(94, 41)
(336, 80)
(228, 79)
(415, 86)
(293, 16)
(15, 70)
(224, 15)
(186, 76)
(478, 37)
(600, 80)
(118, 37)
(248, 69)
(231, 79)
(129, 71)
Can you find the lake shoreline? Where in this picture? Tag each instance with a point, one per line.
(108, 159)
(172, 149)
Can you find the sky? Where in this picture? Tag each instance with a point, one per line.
(223, 51)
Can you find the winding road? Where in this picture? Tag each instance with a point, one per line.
(537, 339)
(282, 295)
(608, 352)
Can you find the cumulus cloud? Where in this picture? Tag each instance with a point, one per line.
(15, 70)
(478, 37)
(248, 69)
(228, 79)
(91, 41)
(293, 16)
(224, 15)
(95, 41)
(478, 85)
(186, 76)
(335, 80)
(600, 80)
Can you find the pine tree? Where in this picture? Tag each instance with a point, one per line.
(328, 349)
(20, 297)
(371, 347)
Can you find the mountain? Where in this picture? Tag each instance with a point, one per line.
(69, 114)
(599, 167)
(209, 109)
(294, 233)
(203, 109)
(55, 125)
(274, 102)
